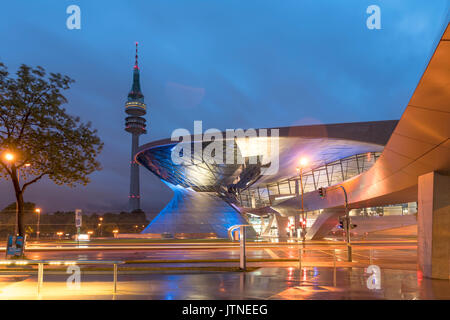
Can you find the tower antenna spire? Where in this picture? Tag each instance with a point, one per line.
(136, 61)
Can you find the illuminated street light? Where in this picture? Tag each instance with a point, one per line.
(9, 156)
(303, 162)
(100, 226)
(38, 232)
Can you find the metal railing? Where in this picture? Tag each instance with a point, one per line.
(41, 263)
(325, 175)
(242, 240)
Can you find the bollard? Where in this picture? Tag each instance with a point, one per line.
(349, 252)
(300, 252)
(242, 262)
(115, 279)
(40, 277)
(334, 267)
(242, 240)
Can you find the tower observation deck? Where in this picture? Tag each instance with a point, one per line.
(136, 125)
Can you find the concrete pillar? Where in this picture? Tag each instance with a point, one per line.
(434, 225)
(282, 224)
(134, 200)
(266, 231)
(324, 223)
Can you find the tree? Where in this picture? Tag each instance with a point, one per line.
(38, 137)
(8, 217)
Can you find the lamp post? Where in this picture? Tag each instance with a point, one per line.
(347, 222)
(38, 232)
(303, 162)
(100, 226)
(347, 226)
(9, 157)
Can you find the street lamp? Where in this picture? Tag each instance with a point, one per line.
(9, 156)
(100, 226)
(347, 225)
(38, 232)
(302, 163)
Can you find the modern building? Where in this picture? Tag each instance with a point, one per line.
(379, 163)
(135, 124)
(210, 197)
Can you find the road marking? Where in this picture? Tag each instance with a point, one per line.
(272, 254)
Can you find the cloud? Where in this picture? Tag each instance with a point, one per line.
(232, 64)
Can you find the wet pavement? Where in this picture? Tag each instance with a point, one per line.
(398, 254)
(153, 272)
(264, 283)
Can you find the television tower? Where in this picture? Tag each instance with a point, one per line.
(135, 124)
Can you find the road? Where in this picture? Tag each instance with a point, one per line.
(180, 271)
(401, 254)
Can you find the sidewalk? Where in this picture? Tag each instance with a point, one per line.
(263, 283)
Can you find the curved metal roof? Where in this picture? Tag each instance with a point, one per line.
(321, 144)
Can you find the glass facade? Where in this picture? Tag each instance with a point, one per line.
(324, 176)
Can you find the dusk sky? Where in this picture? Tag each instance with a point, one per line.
(230, 63)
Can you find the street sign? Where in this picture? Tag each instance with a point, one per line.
(15, 246)
(11, 246)
(20, 246)
(78, 218)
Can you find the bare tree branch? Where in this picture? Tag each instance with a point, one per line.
(25, 185)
